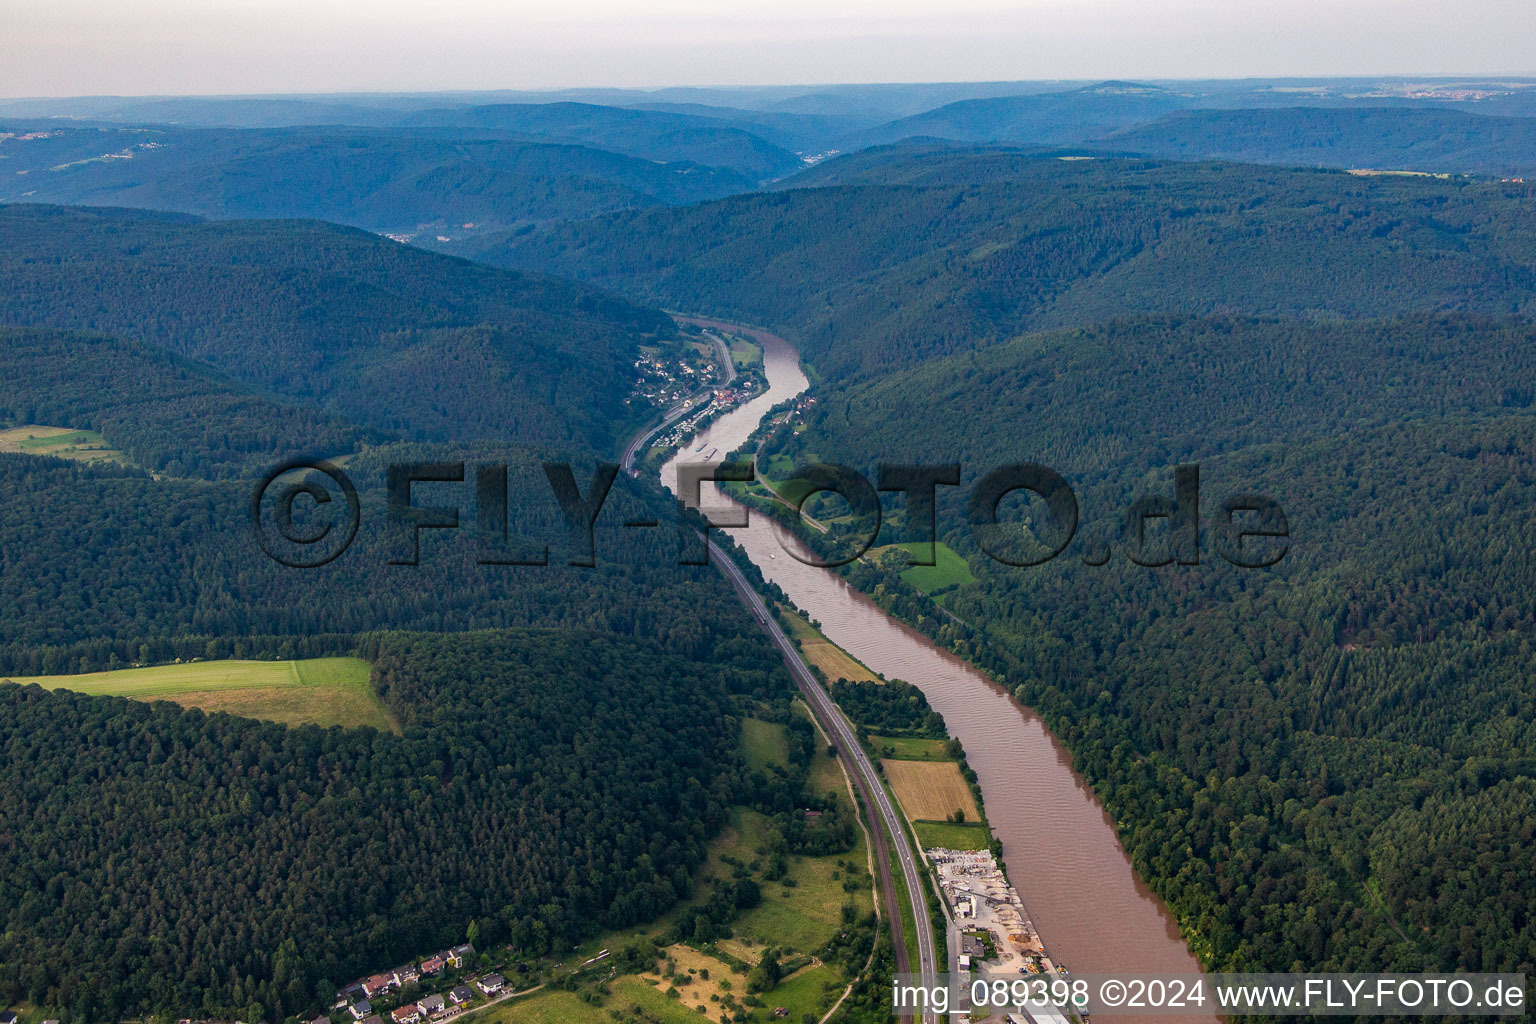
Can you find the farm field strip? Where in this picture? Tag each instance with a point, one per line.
(317, 691)
(931, 790)
(833, 661)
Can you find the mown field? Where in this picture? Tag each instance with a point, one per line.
(931, 790)
(315, 691)
(745, 354)
(948, 836)
(949, 568)
(823, 653)
(910, 748)
(763, 742)
(61, 442)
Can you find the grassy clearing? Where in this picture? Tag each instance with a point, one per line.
(808, 990)
(60, 442)
(910, 748)
(694, 989)
(315, 691)
(745, 354)
(950, 569)
(765, 743)
(930, 790)
(949, 836)
(546, 1007)
(631, 991)
(802, 917)
(835, 662)
(777, 466)
(826, 775)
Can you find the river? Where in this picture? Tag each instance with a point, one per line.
(1092, 910)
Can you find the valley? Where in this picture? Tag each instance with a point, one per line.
(524, 727)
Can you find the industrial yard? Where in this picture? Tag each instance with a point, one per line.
(994, 931)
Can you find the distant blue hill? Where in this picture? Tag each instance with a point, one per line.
(1431, 139)
(400, 180)
(1055, 118)
(652, 134)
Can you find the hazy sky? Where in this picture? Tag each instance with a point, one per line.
(74, 47)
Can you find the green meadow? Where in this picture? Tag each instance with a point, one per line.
(314, 691)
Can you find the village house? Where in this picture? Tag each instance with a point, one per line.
(491, 984)
(407, 1014)
(406, 975)
(378, 983)
(461, 995)
(459, 955)
(433, 965)
(431, 1006)
(360, 1009)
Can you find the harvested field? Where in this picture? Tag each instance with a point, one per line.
(931, 790)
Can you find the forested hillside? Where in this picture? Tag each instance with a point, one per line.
(168, 414)
(193, 582)
(1436, 141)
(437, 181)
(248, 869)
(384, 334)
(653, 134)
(159, 858)
(1275, 744)
(155, 860)
(1052, 118)
(961, 249)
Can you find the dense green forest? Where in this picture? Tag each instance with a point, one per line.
(168, 415)
(387, 335)
(162, 860)
(1305, 759)
(934, 250)
(892, 708)
(101, 560)
(548, 783)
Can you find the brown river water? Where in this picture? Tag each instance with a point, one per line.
(1092, 910)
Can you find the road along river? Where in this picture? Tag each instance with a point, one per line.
(1062, 854)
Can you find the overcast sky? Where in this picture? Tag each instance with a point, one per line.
(134, 47)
